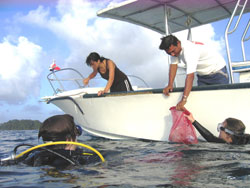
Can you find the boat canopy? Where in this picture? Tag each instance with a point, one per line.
(181, 14)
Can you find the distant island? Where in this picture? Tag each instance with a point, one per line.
(20, 125)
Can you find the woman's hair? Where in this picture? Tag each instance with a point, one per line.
(235, 125)
(238, 128)
(167, 41)
(241, 139)
(58, 128)
(92, 57)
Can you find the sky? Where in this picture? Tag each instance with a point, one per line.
(33, 33)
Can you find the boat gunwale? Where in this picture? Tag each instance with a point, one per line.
(178, 89)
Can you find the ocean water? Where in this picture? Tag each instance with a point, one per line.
(134, 163)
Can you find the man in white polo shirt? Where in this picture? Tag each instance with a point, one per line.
(209, 65)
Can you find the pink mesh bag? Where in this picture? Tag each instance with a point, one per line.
(182, 130)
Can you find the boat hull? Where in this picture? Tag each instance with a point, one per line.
(146, 115)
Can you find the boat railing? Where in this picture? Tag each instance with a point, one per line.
(244, 39)
(239, 66)
(140, 79)
(58, 80)
(54, 77)
(135, 81)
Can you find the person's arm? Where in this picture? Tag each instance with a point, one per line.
(92, 75)
(206, 133)
(191, 60)
(111, 67)
(172, 74)
(187, 89)
(203, 131)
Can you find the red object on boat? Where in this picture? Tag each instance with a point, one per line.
(53, 67)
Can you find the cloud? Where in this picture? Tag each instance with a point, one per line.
(73, 25)
(134, 49)
(39, 111)
(208, 38)
(20, 70)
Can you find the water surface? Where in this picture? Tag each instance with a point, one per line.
(134, 163)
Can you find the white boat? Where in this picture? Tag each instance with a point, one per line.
(144, 113)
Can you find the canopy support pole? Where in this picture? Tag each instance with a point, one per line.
(167, 32)
(188, 23)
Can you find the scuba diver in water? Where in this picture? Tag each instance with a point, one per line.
(56, 129)
(60, 128)
(232, 131)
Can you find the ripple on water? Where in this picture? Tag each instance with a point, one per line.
(135, 163)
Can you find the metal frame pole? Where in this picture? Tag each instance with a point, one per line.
(167, 32)
(243, 39)
(230, 32)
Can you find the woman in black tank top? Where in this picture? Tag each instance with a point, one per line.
(117, 80)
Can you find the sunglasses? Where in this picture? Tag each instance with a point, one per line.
(220, 127)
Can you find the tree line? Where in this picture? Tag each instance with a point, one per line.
(20, 125)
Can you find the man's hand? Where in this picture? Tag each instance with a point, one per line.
(180, 105)
(167, 89)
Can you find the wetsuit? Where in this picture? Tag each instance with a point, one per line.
(61, 158)
(239, 139)
(206, 134)
(121, 82)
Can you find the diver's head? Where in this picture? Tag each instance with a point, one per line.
(59, 128)
(230, 129)
(235, 125)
